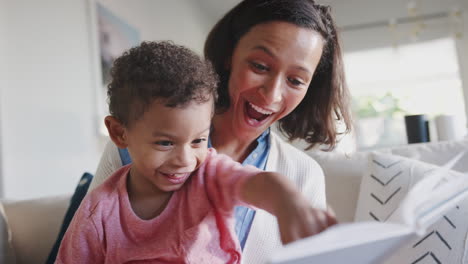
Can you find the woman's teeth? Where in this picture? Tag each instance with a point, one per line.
(260, 110)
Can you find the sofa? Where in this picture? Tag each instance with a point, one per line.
(29, 228)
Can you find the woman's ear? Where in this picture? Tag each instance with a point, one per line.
(117, 131)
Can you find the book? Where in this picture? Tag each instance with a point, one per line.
(373, 242)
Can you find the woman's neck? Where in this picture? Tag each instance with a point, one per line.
(226, 142)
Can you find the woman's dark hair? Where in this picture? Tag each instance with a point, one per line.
(158, 70)
(327, 99)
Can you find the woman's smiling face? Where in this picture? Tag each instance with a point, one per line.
(270, 71)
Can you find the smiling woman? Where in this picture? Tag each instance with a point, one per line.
(271, 69)
(314, 118)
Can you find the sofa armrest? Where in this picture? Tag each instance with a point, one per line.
(34, 226)
(7, 254)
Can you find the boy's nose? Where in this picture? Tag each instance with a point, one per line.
(184, 157)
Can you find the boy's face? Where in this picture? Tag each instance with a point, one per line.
(167, 144)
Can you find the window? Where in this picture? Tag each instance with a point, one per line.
(388, 83)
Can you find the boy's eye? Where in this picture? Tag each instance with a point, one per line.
(164, 143)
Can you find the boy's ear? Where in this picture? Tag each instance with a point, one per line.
(116, 131)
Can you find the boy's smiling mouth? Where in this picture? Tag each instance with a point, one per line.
(176, 178)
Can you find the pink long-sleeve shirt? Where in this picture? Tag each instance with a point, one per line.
(197, 225)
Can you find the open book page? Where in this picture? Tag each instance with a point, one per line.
(364, 242)
(371, 242)
(443, 199)
(430, 198)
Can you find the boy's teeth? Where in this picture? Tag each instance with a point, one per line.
(175, 175)
(260, 110)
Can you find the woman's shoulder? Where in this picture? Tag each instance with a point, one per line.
(106, 195)
(285, 152)
(110, 161)
(298, 167)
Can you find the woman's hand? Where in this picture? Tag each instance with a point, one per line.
(297, 219)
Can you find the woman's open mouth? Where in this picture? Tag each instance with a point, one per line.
(256, 115)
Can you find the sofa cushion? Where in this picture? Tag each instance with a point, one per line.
(384, 186)
(34, 225)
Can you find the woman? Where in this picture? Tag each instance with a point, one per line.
(278, 60)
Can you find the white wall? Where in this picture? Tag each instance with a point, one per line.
(48, 123)
(48, 132)
(462, 49)
(2, 82)
(180, 21)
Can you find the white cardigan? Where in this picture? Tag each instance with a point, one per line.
(264, 237)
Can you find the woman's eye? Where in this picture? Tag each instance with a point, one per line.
(295, 82)
(259, 66)
(164, 143)
(199, 140)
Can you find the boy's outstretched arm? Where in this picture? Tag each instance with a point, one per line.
(277, 195)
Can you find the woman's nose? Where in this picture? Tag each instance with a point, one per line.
(271, 90)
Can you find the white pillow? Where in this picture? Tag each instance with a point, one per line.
(384, 186)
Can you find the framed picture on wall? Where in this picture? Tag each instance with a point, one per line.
(112, 36)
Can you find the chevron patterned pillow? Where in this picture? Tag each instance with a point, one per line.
(384, 186)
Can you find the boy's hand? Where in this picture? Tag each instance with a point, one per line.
(297, 219)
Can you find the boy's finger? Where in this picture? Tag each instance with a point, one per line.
(331, 217)
(331, 211)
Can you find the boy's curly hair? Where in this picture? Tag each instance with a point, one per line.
(158, 70)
